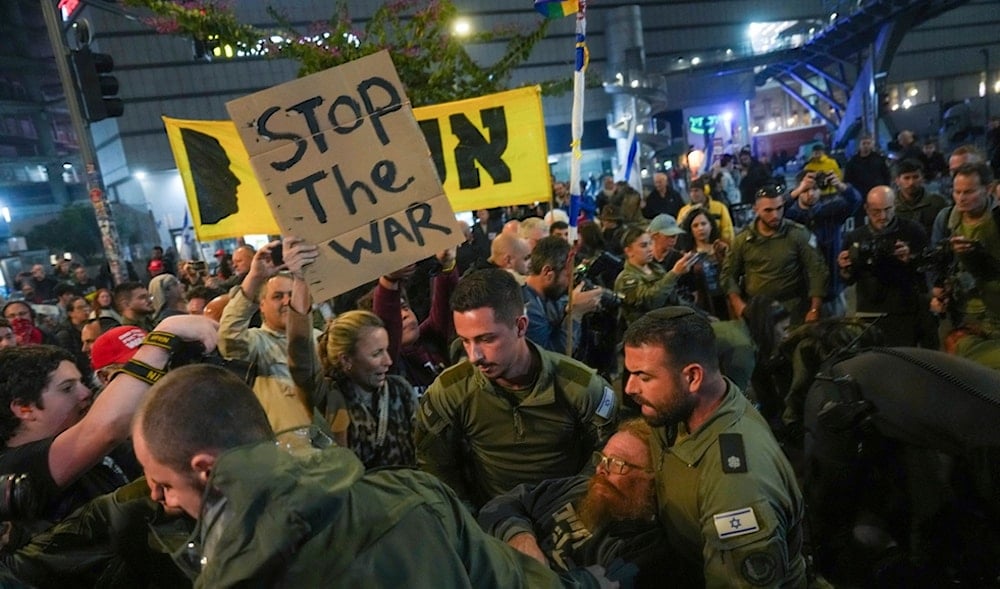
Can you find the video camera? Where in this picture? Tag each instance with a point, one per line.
(598, 271)
(601, 330)
(870, 252)
(958, 276)
(194, 353)
(936, 258)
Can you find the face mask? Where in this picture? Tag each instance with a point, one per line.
(25, 332)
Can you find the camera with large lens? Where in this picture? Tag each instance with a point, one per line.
(194, 353)
(821, 180)
(18, 500)
(600, 331)
(868, 253)
(610, 300)
(936, 259)
(600, 270)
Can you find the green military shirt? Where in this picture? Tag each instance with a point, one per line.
(783, 266)
(480, 440)
(643, 292)
(923, 209)
(728, 499)
(983, 266)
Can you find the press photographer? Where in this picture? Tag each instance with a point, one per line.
(547, 296)
(972, 228)
(597, 345)
(881, 259)
(822, 202)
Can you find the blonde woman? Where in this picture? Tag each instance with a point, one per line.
(369, 410)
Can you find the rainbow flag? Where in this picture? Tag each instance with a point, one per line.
(556, 8)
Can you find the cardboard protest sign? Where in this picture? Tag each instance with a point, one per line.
(490, 151)
(222, 193)
(344, 165)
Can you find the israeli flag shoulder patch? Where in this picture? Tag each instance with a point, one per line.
(735, 523)
(607, 405)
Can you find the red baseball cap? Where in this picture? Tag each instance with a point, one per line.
(116, 346)
(219, 253)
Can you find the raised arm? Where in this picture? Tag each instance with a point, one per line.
(386, 303)
(235, 339)
(107, 423)
(440, 321)
(303, 363)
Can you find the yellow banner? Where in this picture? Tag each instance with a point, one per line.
(489, 151)
(222, 193)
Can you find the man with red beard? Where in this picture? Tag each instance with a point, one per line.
(727, 497)
(581, 521)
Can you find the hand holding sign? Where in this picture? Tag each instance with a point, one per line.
(446, 257)
(402, 274)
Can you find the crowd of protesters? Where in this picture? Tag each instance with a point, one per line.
(628, 408)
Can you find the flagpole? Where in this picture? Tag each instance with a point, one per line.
(579, 86)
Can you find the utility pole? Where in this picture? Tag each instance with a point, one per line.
(95, 184)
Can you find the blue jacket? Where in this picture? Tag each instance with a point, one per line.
(826, 219)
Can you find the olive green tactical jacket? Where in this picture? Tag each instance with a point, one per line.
(728, 498)
(317, 520)
(482, 442)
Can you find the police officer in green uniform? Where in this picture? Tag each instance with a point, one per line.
(728, 499)
(513, 412)
(289, 514)
(644, 285)
(775, 257)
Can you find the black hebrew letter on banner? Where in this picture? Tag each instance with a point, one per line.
(432, 133)
(473, 147)
(214, 183)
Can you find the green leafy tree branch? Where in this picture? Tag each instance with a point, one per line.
(432, 62)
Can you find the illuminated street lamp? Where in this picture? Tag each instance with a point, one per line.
(462, 27)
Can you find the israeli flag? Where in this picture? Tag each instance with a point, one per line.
(633, 151)
(735, 523)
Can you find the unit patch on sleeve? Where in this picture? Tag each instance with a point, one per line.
(760, 569)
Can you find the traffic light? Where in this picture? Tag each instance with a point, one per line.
(98, 89)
